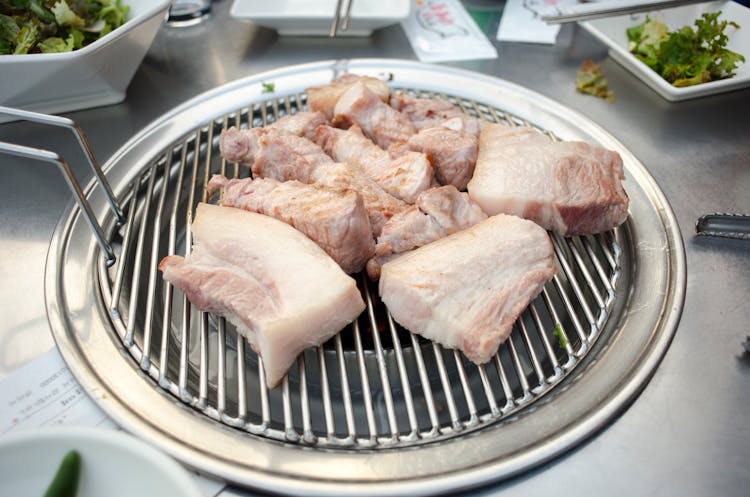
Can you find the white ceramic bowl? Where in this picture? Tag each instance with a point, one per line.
(97, 74)
(113, 464)
(313, 17)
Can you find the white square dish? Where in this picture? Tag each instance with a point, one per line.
(97, 74)
(313, 17)
(611, 31)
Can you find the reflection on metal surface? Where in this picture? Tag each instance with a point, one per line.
(377, 409)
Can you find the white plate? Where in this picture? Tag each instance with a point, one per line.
(313, 17)
(112, 463)
(611, 31)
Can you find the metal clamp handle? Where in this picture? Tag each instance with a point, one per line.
(724, 225)
(55, 158)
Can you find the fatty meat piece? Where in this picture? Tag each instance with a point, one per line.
(439, 212)
(453, 154)
(285, 157)
(380, 122)
(404, 177)
(573, 188)
(302, 123)
(432, 112)
(466, 290)
(324, 98)
(334, 218)
(281, 291)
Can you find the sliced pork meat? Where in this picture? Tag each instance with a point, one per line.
(324, 98)
(380, 205)
(431, 112)
(380, 122)
(453, 154)
(466, 290)
(281, 291)
(239, 145)
(404, 177)
(283, 156)
(334, 218)
(302, 123)
(439, 212)
(573, 188)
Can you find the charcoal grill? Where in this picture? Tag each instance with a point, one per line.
(376, 409)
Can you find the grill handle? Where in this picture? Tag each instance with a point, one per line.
(55, 158)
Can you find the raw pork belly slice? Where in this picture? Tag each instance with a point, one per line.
(439, 212)
(404, 177)
(323, 98)
(380, 122)
(572, 188)
(465, 291)
(281, 291)
(302, 123)
(453, 154)
(334, 218)
(429, 112)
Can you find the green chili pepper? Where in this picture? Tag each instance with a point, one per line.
(65, 483)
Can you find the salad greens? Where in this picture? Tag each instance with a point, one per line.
(686, 56)
(46, 26)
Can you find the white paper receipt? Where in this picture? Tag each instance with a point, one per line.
(44, 392)
(442, 31)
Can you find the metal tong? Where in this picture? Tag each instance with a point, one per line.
(597, 10)
(724, 225)
(344, 24)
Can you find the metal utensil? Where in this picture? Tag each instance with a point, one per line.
(597, 10)
(724, 225)
(344, 24)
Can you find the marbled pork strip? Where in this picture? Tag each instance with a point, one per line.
(324, 98)
(379, 121)
(573, 188)
(334, 218)
(404, 177)
(453, 154)
(430, 112)
(302, 123)
(466, 290)
(281, 291)
(438, 212)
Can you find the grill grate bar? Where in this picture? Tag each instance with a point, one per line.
(470, 404)
(382, 368)
(150, 303)
(454, 417)
(364, 378)
(326, 394)
(405, 383)
(307, 433)
(532, 355)
(126, 244)
(521, 375)
(507, 391)
(426, 389)
(135, 283)
(346, 394)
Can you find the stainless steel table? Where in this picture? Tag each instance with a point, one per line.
(687, 434)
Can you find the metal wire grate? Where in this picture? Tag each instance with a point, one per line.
(374, 385)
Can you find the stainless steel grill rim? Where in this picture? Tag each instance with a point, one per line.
(477, 470)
